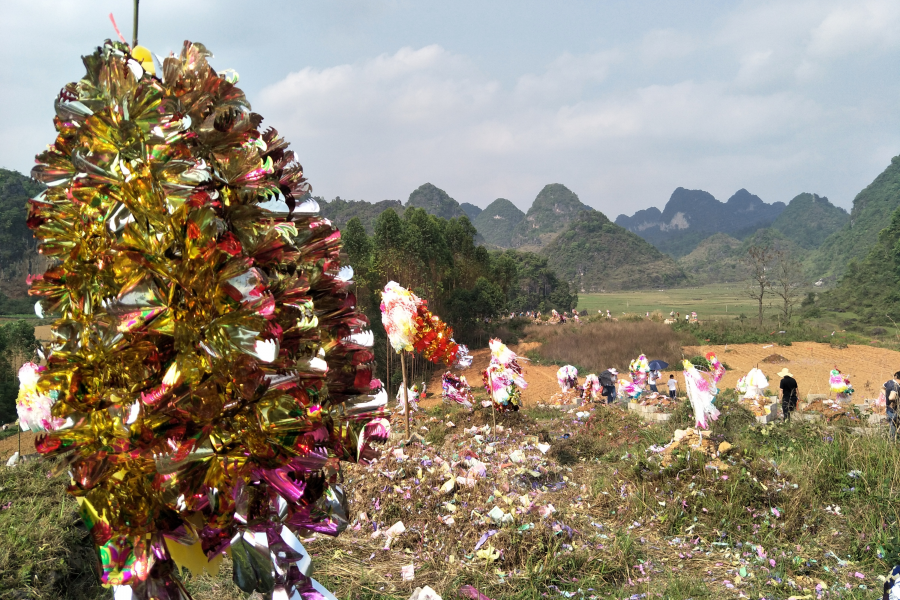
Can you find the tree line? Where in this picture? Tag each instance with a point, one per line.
(440, 260)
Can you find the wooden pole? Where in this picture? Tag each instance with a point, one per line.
(134, 36)
(405, 391)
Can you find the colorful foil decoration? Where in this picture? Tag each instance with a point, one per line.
(639, 369)
(702, 390)
(411, 326)
(503, 378)
(33, 406)
(840, 384)
(456, 389)
(210, 369)
(567, 378)
(592, 387)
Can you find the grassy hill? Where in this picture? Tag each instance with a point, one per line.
(809, 219)
(720, 257)
(553, 208)
(497, 222)
(716, 260)
(872, 210)
(596, 254)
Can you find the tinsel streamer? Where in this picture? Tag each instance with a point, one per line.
(456, 389)
(567, 378)
(702, 391)
(503, 379)
(840, 383)
(411, 326)
(209, 365)
(592, 386)
(34, 407)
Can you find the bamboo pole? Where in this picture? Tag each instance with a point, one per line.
(405, 391)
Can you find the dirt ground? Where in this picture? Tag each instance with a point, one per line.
(10, 445)
(810, 363)
(541, 379)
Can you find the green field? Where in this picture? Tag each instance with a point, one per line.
(725, 300)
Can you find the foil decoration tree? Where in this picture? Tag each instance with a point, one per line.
(209, 370)
(410, 326)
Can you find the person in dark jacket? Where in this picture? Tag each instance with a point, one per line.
(891, 394)
(788, 388)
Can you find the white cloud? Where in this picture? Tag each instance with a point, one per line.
(381, 127)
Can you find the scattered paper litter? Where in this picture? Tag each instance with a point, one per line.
(408, 572)
(543, 448)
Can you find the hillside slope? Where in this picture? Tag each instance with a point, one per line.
(872, 211)
(553, 208)
(18, 248)
(871, 288)
(721, 258)
(809, 219)
(595, 254)
(497, 222)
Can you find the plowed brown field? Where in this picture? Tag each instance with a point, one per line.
(810, 363)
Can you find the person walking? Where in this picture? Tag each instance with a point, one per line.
(788, 388)
(891, 395)
(673, 386)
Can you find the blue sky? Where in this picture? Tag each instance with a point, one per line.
(620, 101)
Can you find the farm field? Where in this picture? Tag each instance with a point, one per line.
(710, 301)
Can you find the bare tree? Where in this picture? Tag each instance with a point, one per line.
(759, 260)
(787, 281)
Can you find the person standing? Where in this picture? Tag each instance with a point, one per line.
(652, 379)
(673, 386)
(891, 395)
(610, 390)
(788, 388)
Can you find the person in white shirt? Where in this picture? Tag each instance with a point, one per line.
(652, 379)
(673, 385)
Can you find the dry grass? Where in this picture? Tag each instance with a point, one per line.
(598, 345)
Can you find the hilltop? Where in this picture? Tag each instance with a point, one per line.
(596, 254)
(435, 201)
(498, 221)
(553, 208)
(809, 219)
(690, 216)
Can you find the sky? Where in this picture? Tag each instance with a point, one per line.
(622, 102)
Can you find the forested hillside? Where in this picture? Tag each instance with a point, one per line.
(596, 254)
(553, 208)
(497, 222)
(872, 211)
(809, 219)
(870, 288)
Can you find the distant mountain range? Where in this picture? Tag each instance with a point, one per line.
(690, 216)
(694, 239)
